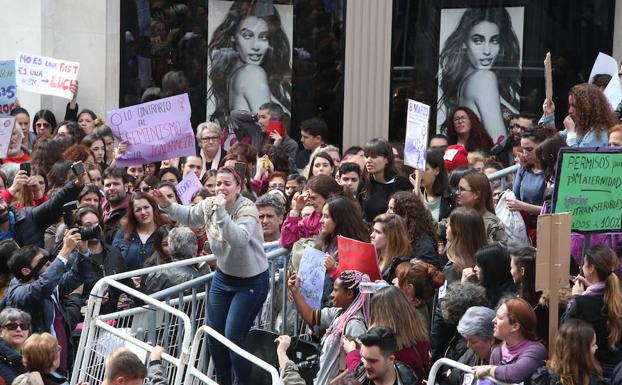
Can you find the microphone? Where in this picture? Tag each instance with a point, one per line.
(214, 207)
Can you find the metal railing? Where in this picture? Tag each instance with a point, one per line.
(456, 365)
(198, 345)
(170, 318)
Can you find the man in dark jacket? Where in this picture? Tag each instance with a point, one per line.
(375, 363)
(116, 186)
(258, 129)
(27, 226)
(40, 285)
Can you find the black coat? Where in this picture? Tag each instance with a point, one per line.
(405, 375)
(589, 308)
(545, 376)
(31, 222)
(11, 364)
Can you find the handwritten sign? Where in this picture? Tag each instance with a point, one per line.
(6, 129)
(155, 131)
(416, 134)
(359, 256)
(187, 187)
(7, 86)
(588, 185)
(311, 273)
(607, 65)
(45, 75)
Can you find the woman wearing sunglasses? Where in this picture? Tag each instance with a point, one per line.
(14, 330)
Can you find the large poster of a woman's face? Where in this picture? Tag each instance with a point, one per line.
(249, 57)
(479, 65)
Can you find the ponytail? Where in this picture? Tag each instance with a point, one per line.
(605, 261)
(613, 308)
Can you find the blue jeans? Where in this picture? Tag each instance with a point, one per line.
(233, 305)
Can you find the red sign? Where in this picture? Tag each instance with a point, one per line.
(359, 256)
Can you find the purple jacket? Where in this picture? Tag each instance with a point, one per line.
(522, 366)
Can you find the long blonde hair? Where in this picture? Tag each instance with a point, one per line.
(390, 308)
(571, 358)
(398, 243)
(605, 261)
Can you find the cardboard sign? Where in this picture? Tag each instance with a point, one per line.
(155, 131)
(7, 86)
(607, 65)
(187, 187)
(359, 256)
(548, 77)
(6, 130)
(45, 75)
(588, 184)
(415, 145)
(553, 261)
(311, 273)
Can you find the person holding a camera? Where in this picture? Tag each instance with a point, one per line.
(104, 258)
(41, 283)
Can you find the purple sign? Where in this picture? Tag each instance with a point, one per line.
(188, 186)
(154, 131)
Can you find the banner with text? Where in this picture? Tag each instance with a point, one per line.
(311, 273)
(45, 75)
(416, 143)
(7, 86)
(6, 130)
(357, 255)
(588, 184)
(187, 187)
(155, 131)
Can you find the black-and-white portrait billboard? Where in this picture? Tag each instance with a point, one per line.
(249, 56)
(480, 65)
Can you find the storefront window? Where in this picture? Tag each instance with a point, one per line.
(236, 55)
(488, 56)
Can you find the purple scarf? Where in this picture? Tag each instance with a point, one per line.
(508, 353)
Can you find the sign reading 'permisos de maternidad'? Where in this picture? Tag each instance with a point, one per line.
(589, 185)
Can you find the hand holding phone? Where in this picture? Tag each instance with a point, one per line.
(25, 167)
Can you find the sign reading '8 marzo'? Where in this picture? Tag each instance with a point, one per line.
(589, 184)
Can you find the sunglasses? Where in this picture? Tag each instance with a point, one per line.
(15, 325)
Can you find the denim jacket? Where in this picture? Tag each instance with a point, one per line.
(133, 250)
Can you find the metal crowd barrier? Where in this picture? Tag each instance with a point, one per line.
(171, 318)
(501, 174)
(456, 365)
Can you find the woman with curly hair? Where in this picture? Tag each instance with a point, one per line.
(419, 224)
(466, 129)
(572, 358)
(589, 117)
(479, 66)
(249, 47)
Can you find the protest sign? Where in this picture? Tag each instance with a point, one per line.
(606, 65)
(154, 131)
(588, 184)
(311, 273)
(45, 75)
(359, 256)
(416, 142)
(548, 77)
(7, 86)
(6, 130)
(187, 187)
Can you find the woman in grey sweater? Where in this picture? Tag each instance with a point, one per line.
(240, 284)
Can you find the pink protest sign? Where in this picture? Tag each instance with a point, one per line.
(154, 131)
(45, 75)
(188, 186)
(359, 256)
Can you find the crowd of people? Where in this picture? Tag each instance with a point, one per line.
(457, 282)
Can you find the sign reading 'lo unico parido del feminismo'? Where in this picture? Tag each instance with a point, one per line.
(589, 185)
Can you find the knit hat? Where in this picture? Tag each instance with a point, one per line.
(455, 156)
